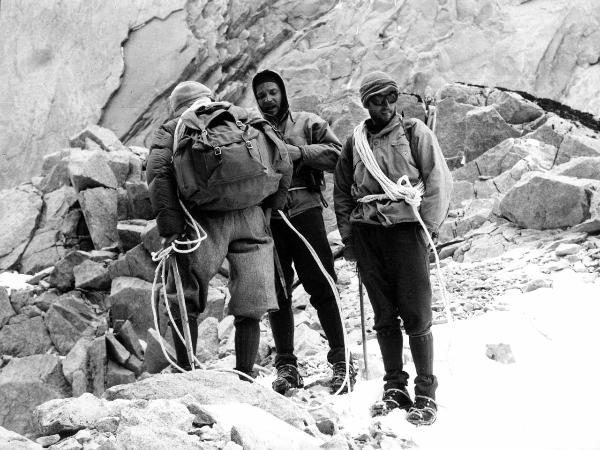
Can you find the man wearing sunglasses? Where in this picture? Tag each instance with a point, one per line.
(387, 241)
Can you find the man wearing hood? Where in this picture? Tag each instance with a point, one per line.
(313, 148)
(240, 235)
(385, 237)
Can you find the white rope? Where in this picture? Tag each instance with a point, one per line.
(401, 190)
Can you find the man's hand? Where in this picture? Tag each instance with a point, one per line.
(294, 152)
(166, 241)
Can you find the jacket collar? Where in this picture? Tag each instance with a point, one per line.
(394, 122)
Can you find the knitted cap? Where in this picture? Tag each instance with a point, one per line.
(186, 92)
(376, 83)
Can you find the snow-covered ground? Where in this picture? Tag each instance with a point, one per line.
(547, 399)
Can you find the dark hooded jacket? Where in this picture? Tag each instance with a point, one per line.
(319, 147)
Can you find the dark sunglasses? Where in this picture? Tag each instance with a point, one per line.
(379, 100)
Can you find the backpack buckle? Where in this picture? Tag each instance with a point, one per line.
(239, 124)
(249, 145)
(218, 152)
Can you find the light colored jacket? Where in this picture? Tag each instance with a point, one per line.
(394, 156)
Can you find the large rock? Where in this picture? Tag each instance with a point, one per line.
(130, 300)
(210, 387)
(90, 169)
(26, 383)
(63, 277)
(70, 318)
(582, 167)
(513, 108)
(75, 367)
(91, 275)
(485, 128)
(20, 209)
(451, 129)
(137, 262)
(70, 415)
(130, 232)
(56, 231)
(574, 145)
(99, 206)
(264, 431)
(25, 337)
(6, 309)
(543, 201)
(9, 440)
(139, 200)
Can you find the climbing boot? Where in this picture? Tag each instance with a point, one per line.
(339, 375)
(423, 412)
(287, 378)
(392, 399)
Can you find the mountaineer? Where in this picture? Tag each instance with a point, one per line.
(313, 148)
(385, 238)
(228, 168)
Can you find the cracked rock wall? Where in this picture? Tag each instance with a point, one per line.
(66, 64)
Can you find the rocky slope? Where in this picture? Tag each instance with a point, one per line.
(116, 65)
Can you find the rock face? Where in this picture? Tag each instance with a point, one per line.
(546, 48)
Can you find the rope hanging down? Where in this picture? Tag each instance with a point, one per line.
(401, 190)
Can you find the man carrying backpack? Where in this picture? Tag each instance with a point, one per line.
(313, 148)
(227, 168)
(384, 236)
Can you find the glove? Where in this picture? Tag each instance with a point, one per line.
(348, 253)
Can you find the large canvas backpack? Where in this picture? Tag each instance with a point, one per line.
(226, 160)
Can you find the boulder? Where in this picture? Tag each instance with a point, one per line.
(151, 237)
(551, 130)
(461, 191)
(9, 440)
(484, 247)
(44, 250)
(130, 300)
(255, 429)
(209, 388)
(485, 129)
(20, 209)
(139, 200)
(50, 160)
(57, 177)
(580, 167)
(91, 275)
(543, 201)
(25, 337)
(504, 156)
(105, 138)
(208, 340)
(90, 169)
(119, 163)
(574, 145)
(63, 277)
(451, 129)
(513, 108)
(65, 416)
(137, 263)
(26, 383)
(99, 207)
(70, 318)
(463, 93)
(6, 309)
(307, 342)
(97, 365)
(130, 232)
(215, 305)
(116, 351)
(127, 336)
(154, 358)
(75, 367)
(116, 375)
